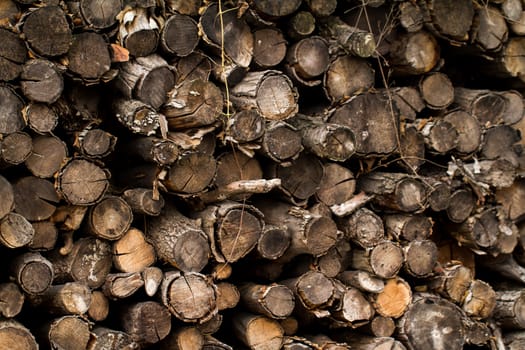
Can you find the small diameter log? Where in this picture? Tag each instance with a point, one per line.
(35, 198)
(308, 59)
(239, 190)
(15, 231)
(432, 320)
(509, 310)
(337, 185)
(335, 142)
(136, 115)
(489, 30)
(258, 332)
(351, 39)
(270, 92)
(337, 83)
(152, 277)
(102, 338)
(143, 201)
(192, 173)
(450, 20)
(41, 81)
(223, 30)
(420, 258)
(300, 179)
(453, 281)
(488, 231)
(411, 148)
(335, 260)
(461, 204)
(56, 40)
(110, 218)
(146, 322)
(190, 296)
(95, 143)
(439, 194)
(512, 9)
(281, 142)
(380, 326)
(269, 47)
(102, 16)
(439, 135)
(233, 229)
(245, 126)
(414, 53)
(406, 227)
(49, 153)
(179, 35)
(212, 325)
(235, 166)
(11, 118)
(99, 308)
(68, 332)
(211, 343)
(15, 336)
(514, 107)
(303, 227)
(132, 252)
(122, 285)
(73, 298)
(11, 299)
(227, 296)
(183, 338)
(313, 290)
(498, 142)
(178, 240)
(395, 191)
(487, 106)
(363, 227)
(480, 300)
(40, 117)
(82, 182)
(275, 301)
(394, 300)
(437, 90)
(376, 134)
(410, 16)
(138, 30)
(12, 55)
(32, 272)
(362, 280)
(147, 79)
(89, 261)
(468, 128)
(301, 25)
(93, 48)
(384, 260)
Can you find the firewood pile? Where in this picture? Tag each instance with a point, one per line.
(262, 174)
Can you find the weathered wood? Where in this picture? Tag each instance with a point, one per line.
(275, 301)
(480, 300)
(411, 148)
(437, 90)
(269, 47)
(281, 142)
(73, 298)
(101, 16)
(95, 143)
(11, 299)
(102, 338)
(258, 332)
(352, 308)
(410, 16)
(183, 338)
(45, 237)
(132, 253)
(142, 201)
(146, 322)
(362, 280)
(337, 83)
(301, 25)
(179, 35)
(12, 55)
(380, 326)
(190, 296)
(353, 40)
(453, 281)
(406, 227)
(14, 335)
(11, 118)
(136, 115)
(138, 30)
(41, 81)
(40, 117)
(49, 154)
(99, 307)
(405, 53)
(313, 290)
(122, 285)
(178, 240)
(152, 279)
(489, 30)
(15, 231)
(384, 259)
(228, 296)
(110, 218)
(363, 227)
(15, 148)
(93, 48)
(420, 258)
(68, 332)
(33, 273)
(509, 309)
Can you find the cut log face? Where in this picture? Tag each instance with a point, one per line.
(338, 89)
(13, 335)
(82, 182)
(179, 35)
(12, 55)
(11, 119)
(90, 47)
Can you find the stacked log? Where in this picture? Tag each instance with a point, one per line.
(262, 174)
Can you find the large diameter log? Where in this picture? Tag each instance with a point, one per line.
(395, 191)
(68, 332)
(373, 120)
(147, 322)
(190, 296)
(12, 55)
(232, 228)
(270, 92)
(178, 240)
(13, 335)
(275, 301)
(89, 47)
(310, 234)
(258, 332)
(432, 322)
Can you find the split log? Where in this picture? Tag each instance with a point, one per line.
(12, 55)
(68, 332)
(146, 322)
(303, 227)
(14, 335)
(11, 299)
(41, 81)
(233, 229)
(351, 307)
(270, 92)
(189, 296)
(147, 79)
(258, 332)
(32, 272)
(178, 240)
(56, 40)
(453, 282)
(152, 279)
(275, 301)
